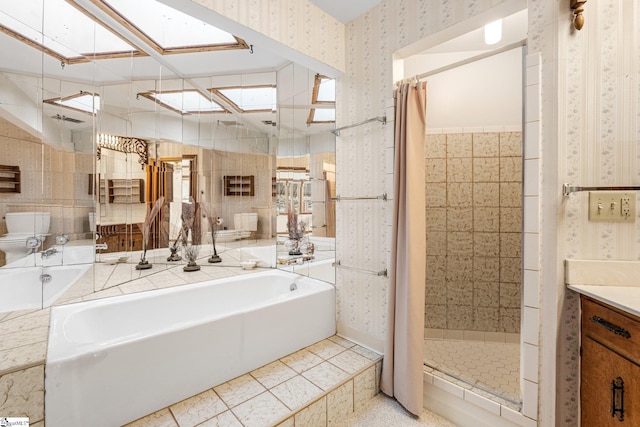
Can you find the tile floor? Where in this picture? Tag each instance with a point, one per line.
(490, 367)
(316, 386)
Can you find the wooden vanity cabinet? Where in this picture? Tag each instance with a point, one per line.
(610, 366)
(120, 237)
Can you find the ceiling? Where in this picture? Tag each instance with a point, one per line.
(345, 11)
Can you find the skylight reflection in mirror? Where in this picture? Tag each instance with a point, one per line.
(68, 32)
(324, 115)
(249, 98)
(85, 102)
(326, 90)
(184, 102)
(168, 27)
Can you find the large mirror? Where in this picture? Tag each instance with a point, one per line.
(92, 145)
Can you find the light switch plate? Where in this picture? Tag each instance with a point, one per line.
(617, 206)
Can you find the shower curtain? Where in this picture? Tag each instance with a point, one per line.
(402, 364)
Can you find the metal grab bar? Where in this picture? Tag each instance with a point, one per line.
(381, 273)
(381, 119)
(567, 189)
(383, 196)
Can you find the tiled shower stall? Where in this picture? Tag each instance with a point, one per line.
(474, 250)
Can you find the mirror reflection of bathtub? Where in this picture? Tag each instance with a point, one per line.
(36, 281)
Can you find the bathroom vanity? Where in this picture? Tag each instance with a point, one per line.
(610, 341)
(120, 237)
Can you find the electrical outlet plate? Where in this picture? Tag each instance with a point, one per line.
(617, 206)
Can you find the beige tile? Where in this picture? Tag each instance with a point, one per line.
(296, 392)
(198, 408)
(510, 318)
(225, 419)
(436, 219)
(315, 415)
(301, 361)
(511, 194)
(22, 393)
(459, 269)
(486, 219)
(486, 319)
(162, 418)
(459, 170)
(460, 318)
(325, 375)
(435, 294)
(260, 411)
(486, 244)
(510, 169)
(23, 355)
(459, 219)
(486, 294)
(364, 388)
(239, 390)
(369, 354)
(511, 144)
(511, 244)
(459, 243)
(486, 145)
(435, 170)
(510, 270)
(339, 403)
(342, 341)
(486, 194)
(510, 295)
(273, 374)
(289, 422)
(510, 220)
(459, 194)
(459, 145)
(436, 269)
(350, 361)
(436, 243)
(486, 269)
(486, 169)
(459, 293)
(436, 195)
(435, 316)
(326, 349)
(436, 146)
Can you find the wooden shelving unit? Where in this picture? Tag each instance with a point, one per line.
(237, 185)
(9, 179)
(121, 191)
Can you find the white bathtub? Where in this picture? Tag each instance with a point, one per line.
(324, 270)
(63, 255)
(114, 360)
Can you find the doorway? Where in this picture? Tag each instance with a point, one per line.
(473, 185)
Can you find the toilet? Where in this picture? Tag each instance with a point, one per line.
(21, 226)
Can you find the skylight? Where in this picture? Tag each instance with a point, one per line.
(184, 101)
(324, 93)
(84, 101)
(249, 98)
(68, 34)
(166, 29)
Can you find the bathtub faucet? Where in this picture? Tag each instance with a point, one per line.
(48, 253)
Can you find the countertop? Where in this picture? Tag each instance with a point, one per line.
(616, 283)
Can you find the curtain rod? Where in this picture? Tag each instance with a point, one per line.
(484, 55)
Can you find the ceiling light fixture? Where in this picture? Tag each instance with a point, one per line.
(493, 32)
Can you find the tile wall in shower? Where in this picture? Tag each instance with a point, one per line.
(474, 231)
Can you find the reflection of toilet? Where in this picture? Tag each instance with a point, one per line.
(243, 225)
(21, 226)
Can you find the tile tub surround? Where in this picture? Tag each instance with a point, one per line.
(316, 386)
(24, 334)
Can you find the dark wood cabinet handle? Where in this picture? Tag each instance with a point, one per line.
(617, 398)
(610, 326)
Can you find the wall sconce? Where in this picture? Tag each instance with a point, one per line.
(577, 7)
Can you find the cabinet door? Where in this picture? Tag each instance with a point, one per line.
(601, 366)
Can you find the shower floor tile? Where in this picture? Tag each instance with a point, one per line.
(490, 367)
(272, 392)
